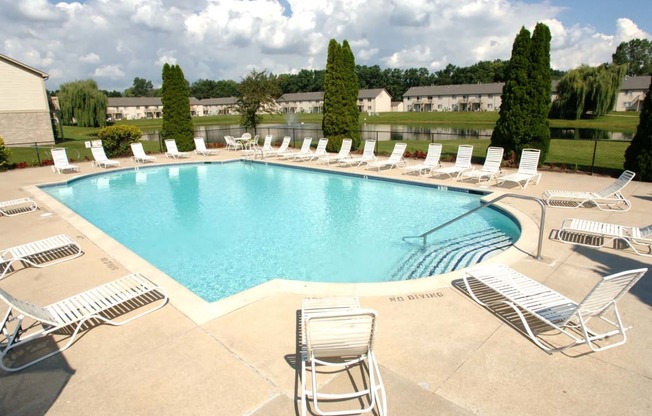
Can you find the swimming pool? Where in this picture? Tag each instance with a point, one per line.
(219, 229)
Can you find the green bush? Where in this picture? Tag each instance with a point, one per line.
(334, 144)
(116, 139)
(4, 155)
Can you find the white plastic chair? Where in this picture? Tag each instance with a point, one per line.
(60, 159)
(600, 234)
(283, 148)
(490, 169)
(368, 155)
(139, 153)
(39, 253)
(462, 163)
(303, 151)
(344, 153)
(172, 151)
(608, 199)
(18, 206)
(320, 151)
(100, 158)
(200, 147)
(431, 161)
(527, 169)
(394, 159)
(529, 299)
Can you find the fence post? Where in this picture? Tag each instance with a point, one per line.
(38, 157)
(595, 148)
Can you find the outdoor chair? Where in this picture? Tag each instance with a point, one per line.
(139, 153)
(40, 253)
(18, 206)
(490, 169)
(320, 151)
(172, 151)
(431, 161)
(60, 159)
(462, 163)
(527, 169)
(394, 159)
(25, 322)
(337, 336)
(344, 153)
(281, 149)
(540, 309)
(367, 156)
(303, 151)
(200, 147)
(100, 158)
(600, 234)
(608, 199)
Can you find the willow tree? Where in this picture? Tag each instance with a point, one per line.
(588, 91)
(512, 125)
(83, 104)
(340, 85)
(177, 121)
(638, 156)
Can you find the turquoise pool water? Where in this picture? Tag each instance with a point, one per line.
(219, 229)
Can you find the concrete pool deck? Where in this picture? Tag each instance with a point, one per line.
(439, 352)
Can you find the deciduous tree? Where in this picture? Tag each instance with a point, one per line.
(257, 93)
(83, 104)
(638, 156)
(636, 54)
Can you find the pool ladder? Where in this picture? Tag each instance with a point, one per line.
(486, 204)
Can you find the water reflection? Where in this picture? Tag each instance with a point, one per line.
(385, 132)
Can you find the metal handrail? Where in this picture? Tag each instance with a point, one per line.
(425, 235)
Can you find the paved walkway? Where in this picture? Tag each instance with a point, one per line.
(440, 353)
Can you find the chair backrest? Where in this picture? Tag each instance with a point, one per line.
(645, 232)
(397, 153)
(607, 291)
(285, 144)
(59, 156)
(493, 160)
(529, 161)
(200, 144)
(305, 146)
(434, 154)
(368, 151)
(25, 308)
(137, 149)
(98, 154)
(321, 146)
(345, 149)
(267, 143)
(340, 333)
(464, 154)
(171, 145)
(622, 181)
(246, 136)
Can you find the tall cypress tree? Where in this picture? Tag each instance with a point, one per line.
(333, 120)
(352, 91)
(638, 156)
(177, 121)
(512, 126)
(540, 84)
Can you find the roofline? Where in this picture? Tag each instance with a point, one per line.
(44, 75)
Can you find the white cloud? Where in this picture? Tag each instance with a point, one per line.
(224, 39)
(108, 71)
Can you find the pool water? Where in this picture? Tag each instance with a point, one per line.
(219, 229)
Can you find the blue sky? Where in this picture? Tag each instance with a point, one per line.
(114, 41)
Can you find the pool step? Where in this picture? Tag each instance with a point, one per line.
(451, 254)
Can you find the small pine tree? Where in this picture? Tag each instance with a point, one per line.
(177, 121)
(638, 156)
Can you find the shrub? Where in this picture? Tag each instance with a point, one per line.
(116, 139)
(4, 155)
(334, 144)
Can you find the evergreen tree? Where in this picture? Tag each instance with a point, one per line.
(351, 94)
(512, 127)
(177, 122)
(540, 84)
(638, 156)
(83, 104)
(340, 85)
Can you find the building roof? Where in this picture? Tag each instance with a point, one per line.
(370, 93)
(303, 96)
(24, 66)
(219, 101)
(463, 89)
(636, 83)
(134, 101)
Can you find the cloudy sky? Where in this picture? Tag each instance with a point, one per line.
(114, 41)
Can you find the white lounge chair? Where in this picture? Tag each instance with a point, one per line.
(527, 169)
(490, 169)
(600, 234)
(431, 161)
(394, 159)
(40, 253)
(608, 199)
(320, 151)
(338, 334)
(18, 206)
(303, 151)
(172, 151)
(25, 322)
(267, 146)
(530, 299)
(201, 149)
(100, 158)
(139, 153)
(462, 163)
(345, 152)
(232, 144)
(367, 156)
(60, 159)
(283, 148)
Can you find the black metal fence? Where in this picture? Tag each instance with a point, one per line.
(566, 154)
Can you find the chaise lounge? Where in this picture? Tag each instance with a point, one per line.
(40, 253)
